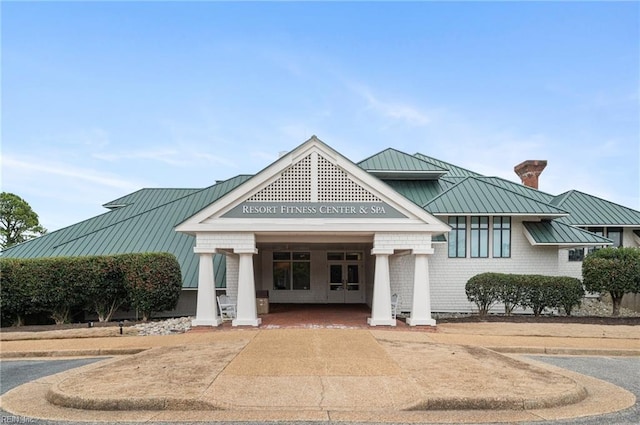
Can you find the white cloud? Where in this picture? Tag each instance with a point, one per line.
(395, 110)
(42, 167)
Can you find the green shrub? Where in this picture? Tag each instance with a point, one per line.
(105, 288)
(510, 292)
(613, 270)
(15, 292)
(58, 285)
(570, 293)
(153, 281)
(483, 290)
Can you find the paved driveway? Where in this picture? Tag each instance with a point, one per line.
(624, 372)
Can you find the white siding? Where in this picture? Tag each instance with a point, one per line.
(448, 276)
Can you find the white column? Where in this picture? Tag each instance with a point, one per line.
(246, 314)
(381, 305)
(206, 308)
(421, 309)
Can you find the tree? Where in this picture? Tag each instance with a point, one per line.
(613, 270)
(18, 222)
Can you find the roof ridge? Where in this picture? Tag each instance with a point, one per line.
(430, 158)
(480, 179)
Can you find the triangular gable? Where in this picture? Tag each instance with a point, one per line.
(473, 195)
(314, 183)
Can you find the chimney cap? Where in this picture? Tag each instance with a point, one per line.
(529, 171)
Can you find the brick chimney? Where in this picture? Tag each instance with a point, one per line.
(529, 170)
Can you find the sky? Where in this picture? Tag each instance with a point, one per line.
(100, 99)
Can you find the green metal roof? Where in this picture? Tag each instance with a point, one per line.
(452, 170)
(149, 198)
(589, 210)
(131, 228)
(419, 191)
(474, 196)
(556, 233)
(393, 164)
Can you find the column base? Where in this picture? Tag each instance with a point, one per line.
(420, 322)
(246, 322)
(206, 322)
(380, 322)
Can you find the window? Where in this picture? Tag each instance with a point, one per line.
(576, 254)
(458, 237)
(291, 270)
(501, 237)
(598, 231)
(479, 237)
(615, 234)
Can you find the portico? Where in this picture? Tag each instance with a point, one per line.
(315, 228)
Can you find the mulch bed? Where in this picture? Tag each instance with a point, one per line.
(525, 318)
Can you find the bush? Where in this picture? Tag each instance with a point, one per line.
(483, 290)
(15, 292)
(58, 286)
(153, 281)
(510, 292)
(570, 293)
(613, 270)
(105, 289)
(534, 291)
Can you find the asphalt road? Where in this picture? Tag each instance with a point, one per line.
(624, 372)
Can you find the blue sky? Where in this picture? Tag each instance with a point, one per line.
(102, 99)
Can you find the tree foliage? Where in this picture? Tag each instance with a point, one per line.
(613, 270)
(18, 222)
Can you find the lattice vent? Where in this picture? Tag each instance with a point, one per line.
(335, 186)
(294, 185)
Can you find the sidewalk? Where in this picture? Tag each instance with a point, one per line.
(316, 374)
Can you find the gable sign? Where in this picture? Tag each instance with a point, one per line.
(313, 210)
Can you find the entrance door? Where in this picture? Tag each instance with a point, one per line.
(345, 277)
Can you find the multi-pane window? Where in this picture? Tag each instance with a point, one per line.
(458, 237)
(291, 270)
(615, 234)
(479, 237)
(501, 237)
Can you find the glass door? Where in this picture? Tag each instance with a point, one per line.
(345, 274)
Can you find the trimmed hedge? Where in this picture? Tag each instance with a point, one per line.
(101, 284)
(530, 291)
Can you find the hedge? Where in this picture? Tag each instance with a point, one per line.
(533, 291)
(101, 284)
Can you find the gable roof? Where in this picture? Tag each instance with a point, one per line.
(393, 164)
(589, 210)
(340, 180)
(475, 196)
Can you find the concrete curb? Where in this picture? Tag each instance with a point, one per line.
(567, 351)
(99, 352)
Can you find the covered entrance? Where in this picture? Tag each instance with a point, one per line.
(315, 228)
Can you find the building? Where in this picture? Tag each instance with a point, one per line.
(314, 227)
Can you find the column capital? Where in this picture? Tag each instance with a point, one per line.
(382, 251)
(422, 251)
(251, 251)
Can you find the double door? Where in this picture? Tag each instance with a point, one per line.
(345, 277)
